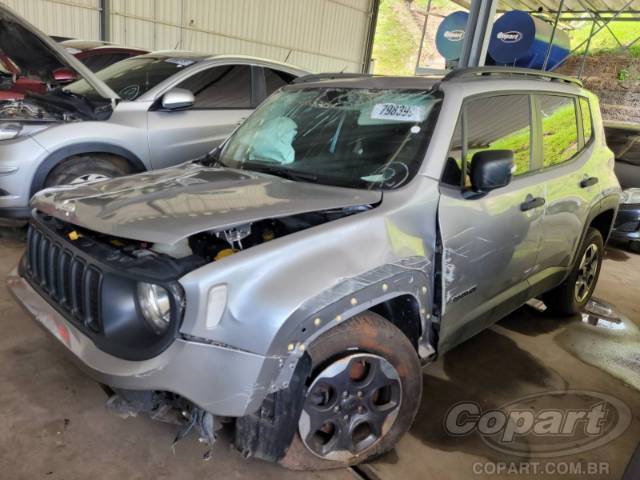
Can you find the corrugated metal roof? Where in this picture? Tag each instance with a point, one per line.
(570, 6)
(317, 35)
(72, 18)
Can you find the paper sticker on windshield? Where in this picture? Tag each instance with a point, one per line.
(182, 62)
(398, 112)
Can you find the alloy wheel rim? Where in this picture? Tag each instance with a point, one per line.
(587, 273)
(350, 406)
(89, 177)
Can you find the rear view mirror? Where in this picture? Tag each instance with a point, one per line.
(64, 75)
(491, 169)
(178, 99)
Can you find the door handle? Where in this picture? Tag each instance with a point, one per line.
(531, 202)
(587, 182)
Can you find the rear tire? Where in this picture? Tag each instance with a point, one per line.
(81, 168)
(573, 294)
(367, 337)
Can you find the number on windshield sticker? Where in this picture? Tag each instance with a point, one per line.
(398, 112)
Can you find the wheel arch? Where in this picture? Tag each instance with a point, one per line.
(602, 212)
(60, 155)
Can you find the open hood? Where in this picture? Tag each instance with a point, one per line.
(36, 53)
(168, 205)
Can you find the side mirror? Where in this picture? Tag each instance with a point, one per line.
(491, 169)
(178, 99)
(64, 75)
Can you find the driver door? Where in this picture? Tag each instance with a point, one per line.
(489, 243)
(223, 99)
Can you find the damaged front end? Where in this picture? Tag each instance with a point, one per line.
(168, 408)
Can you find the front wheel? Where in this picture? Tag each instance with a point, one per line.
(363, 395)
(87, 168)
(573, 294)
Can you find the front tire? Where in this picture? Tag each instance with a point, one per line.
(363, 394)
(570, 297)
(86, 168)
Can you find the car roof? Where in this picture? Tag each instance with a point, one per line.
(486, 76)
(355, 80)
(80, 44)
(201, 57)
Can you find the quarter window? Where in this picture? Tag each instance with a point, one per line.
(275, 79)
(559, 129)
(587, 127)
(500, 122)
(221, 87)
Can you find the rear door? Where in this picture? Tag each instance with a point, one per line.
(570, 179)
(224, 97)
(490, 243)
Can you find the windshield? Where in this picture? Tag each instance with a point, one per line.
(339, 136)
(132, 77)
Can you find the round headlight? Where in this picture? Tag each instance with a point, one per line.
(155, 305)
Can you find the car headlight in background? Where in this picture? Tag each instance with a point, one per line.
(630, 195)
(155, 304)
(9, 130)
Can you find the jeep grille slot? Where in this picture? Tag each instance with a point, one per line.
(66, 279)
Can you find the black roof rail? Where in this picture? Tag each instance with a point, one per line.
(315, 77)
(510, 71)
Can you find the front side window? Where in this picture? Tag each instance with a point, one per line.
(135, 76)
(559, 129)
(349, 137)
(500, 122)
(221, 87)
(587, 127)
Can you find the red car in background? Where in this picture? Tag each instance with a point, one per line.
(96, 54)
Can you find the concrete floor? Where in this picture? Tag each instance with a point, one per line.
(53, 423)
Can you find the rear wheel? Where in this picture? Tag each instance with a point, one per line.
(87, 168)
(574, 293)
(362, 397)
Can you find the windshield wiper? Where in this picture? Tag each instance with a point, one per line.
(285, 173)
(212, 158)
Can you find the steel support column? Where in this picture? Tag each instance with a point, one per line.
(105, 20)
(478, 33)
(553, 36)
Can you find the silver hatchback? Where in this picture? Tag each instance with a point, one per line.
(143, 113)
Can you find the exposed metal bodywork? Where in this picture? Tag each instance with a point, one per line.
(463, 262)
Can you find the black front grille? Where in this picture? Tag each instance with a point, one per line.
(66, 279)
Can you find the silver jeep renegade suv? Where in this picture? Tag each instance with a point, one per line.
(353, 228)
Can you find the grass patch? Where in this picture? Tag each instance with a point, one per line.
(603, 41)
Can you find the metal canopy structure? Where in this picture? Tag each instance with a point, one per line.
(562, 14)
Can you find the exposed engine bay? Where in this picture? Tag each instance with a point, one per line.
(201, 248)
(55, 106)
(26, 110)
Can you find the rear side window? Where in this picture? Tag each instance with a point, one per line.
(97, 62)
(500, 122)
(587, 127)
(275, 79)
(559, 129)
(221, 87)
